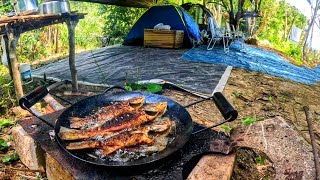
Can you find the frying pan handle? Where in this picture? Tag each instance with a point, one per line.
(36, 95)
(225, 108)
(33, 97)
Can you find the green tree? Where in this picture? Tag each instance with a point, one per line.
(119, 20)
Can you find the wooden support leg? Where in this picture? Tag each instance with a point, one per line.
(71, 29)
(12, 38)
(7, 52)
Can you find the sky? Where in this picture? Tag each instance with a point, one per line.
(304, 7)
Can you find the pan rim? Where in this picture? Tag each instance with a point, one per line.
(183, 139)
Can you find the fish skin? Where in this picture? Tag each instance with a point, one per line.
(156, 126)
(126, 120)
(107, 113)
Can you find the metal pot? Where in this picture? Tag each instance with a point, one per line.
(55, 7)
(22, 6)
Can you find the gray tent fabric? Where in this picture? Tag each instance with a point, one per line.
(116, 64)
(295, 34)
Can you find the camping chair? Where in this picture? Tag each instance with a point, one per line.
(216, 35)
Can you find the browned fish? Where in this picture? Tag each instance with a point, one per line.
(107, 113)
(126, 139)
(124, 121)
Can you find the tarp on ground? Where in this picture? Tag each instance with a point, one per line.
(174, 16)
(254, 59)
(114, 65)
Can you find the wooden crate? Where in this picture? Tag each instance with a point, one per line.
(163, 38)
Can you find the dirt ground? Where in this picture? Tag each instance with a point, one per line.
(253, 94)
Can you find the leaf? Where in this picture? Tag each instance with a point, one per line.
(260, 160)
(226, 128)
(6, 123)
(128, 88)
(270, 98)
(154, 88)
(3, 145)
(10, 158)
(248, 121)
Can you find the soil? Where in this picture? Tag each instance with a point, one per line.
(252, 164)
(253, 94)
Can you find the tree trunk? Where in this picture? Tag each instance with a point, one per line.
(16, 77)
(71, 30)
(313, 18)
(292, 22)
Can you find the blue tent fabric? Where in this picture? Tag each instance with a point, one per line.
(176, 17)
(255, 59)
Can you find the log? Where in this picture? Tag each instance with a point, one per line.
(214, 167)
(56, 171)
(71, 30)
(14, 35)
(28, 150)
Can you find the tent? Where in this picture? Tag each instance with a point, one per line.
(171, 15)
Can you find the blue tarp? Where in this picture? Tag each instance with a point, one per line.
(171, 15)
(254, 59)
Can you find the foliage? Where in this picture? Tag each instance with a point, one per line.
(274, 27)
(226, 128)
(248, 121)
(3, 145)
(119, 20)
(10, 158)
(6, 123)
(260, 160)
(148, 87)
(5, 7)
(7, 98)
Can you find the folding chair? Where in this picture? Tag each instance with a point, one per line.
(217, 34)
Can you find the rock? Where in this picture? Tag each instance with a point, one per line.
(214, 167)
(283, 145)
(19, 113)
(29, 152)
(55, 171)
(267, 107)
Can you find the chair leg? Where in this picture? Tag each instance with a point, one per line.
(209, 47)
(225, 45)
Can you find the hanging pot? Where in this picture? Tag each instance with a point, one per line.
(25, 6)
(55, 7)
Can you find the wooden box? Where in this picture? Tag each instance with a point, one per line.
(163, 38)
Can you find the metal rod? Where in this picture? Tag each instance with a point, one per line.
(62, 99)
(199, 101)
(114, 87)
(313, 143)
(215, 125)
(43, 120)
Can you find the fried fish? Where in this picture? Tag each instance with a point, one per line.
(107, 113)
(126, 139)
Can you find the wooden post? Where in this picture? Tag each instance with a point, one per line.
(6, 49)
(13, 38)
(71, 29)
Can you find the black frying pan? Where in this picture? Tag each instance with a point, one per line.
(175, 111)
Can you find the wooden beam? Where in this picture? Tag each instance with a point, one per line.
(71, 30)
(13, 38)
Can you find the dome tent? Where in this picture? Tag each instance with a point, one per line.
(170, 15)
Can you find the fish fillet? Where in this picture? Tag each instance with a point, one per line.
(138, 135)
(107, 113)
(124, 121)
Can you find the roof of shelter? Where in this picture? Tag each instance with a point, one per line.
(126, 3)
